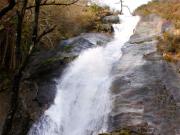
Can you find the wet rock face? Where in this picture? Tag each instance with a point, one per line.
(105, 28)
(45, 66)
(38, 85)
(113, 19)
(83, 42)
(146, 89)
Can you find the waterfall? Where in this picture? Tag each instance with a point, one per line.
(82, 103)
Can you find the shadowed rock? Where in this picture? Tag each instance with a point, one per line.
(111, 19)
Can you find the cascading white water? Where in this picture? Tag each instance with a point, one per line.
(82, 102)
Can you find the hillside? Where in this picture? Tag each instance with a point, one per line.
(169, 43)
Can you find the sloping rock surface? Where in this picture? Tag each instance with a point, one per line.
(146, 89)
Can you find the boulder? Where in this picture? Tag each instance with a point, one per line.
(111, 19)
(105, 28)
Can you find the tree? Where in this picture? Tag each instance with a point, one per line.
(121, 6)
(35, 39)
(7, 8)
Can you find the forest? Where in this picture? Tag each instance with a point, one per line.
(89, 67)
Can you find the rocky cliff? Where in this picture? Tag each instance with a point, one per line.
(146, 89)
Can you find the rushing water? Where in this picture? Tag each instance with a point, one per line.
(83, 102)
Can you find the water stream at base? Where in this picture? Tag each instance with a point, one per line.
(82, 103)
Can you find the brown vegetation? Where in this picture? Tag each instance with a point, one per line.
(168, 10)
(30, 25)
(169, 42)
(169, 45)
(66, 22)
(71, 20)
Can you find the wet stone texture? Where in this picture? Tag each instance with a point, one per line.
(146, 89)
(38, 85)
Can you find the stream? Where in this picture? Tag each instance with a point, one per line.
(83, 99)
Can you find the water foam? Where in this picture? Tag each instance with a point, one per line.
(82, 103)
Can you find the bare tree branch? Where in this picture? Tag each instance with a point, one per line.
(18, 75)
(6, 9)
(20, 15)
(128, 9)
(36, 21)
(121, 2)
(46, 31)
(122, 5)
(54, 4)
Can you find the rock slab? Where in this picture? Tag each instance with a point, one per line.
(146, 89)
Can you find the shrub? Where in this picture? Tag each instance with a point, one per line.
(167, 10)
(169, 44)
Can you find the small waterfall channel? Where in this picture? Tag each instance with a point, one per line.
(82, 103)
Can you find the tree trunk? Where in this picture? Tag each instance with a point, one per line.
(10, 6)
